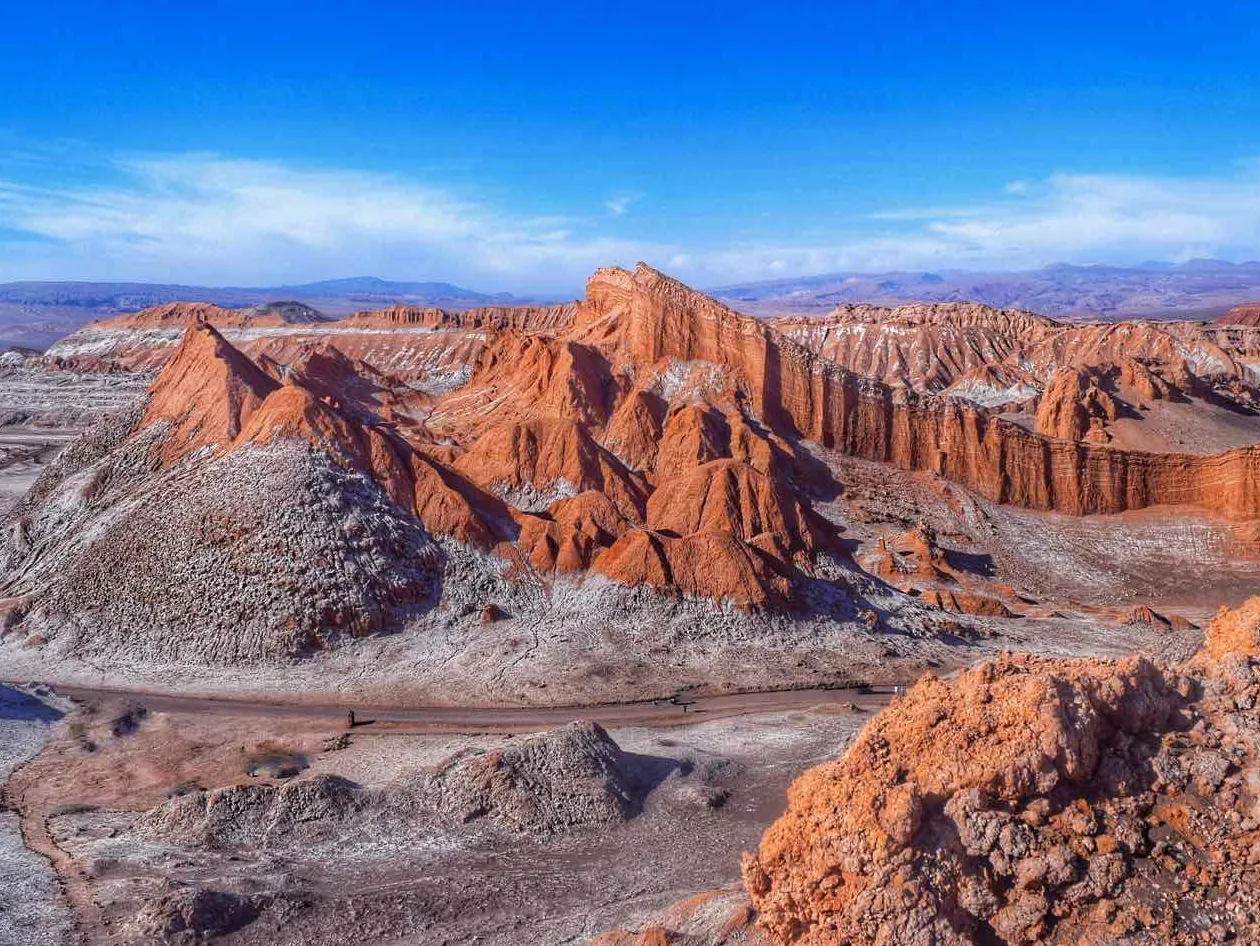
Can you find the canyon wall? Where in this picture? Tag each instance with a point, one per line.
(795, 390)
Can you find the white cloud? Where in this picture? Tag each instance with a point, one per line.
(208, 219)
(203, 218)
(1078, 218)
(619, 204)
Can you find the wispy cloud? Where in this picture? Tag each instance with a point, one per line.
(204, 218)
(1081, 218)
(619, 204)
(210, 219)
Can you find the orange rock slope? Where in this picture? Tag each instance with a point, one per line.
(1035, 800)
(530, 485)
(1248, 313)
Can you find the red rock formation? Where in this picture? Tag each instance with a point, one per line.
(1143, 614)
(650, 426)
(295, 413)
(929, 347)
(1247, 313)
(431, 346)
(714, 918)
(1033, 801)
(730, 496)
(993, 385)
(449, 505)
(533, 318)
(964, 602)
(713, 565)
(633, 433)
(652, 318)
(207, 392)
(1233, 632)
(543, 460)
(1073, 407)
(181, 315)
(572, 533)
(693, 435)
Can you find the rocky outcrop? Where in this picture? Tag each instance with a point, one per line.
(795, 392)
(653, 436)
(713, 564)
(714, 918)
(731, 496)
(1034, 800)
(1234, 632)
(1074, 407)
(1144, 614)
(964, 602)
(207, 393)
(1247, 313)
(534, 318)
(995, 385)
(306, 811)
(569, 778)
(429, 348)
(183, 315)
(188, 915)
(533, 464)
(927, 347)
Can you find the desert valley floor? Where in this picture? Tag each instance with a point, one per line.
(598, 582)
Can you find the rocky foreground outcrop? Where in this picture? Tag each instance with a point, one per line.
(1035, 800)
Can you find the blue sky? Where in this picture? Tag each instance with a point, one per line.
(507, 147)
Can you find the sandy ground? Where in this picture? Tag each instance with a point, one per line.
(720, 783)
(32, 909)
(23, 454)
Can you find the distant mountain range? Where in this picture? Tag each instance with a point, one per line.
(1198, 289)
(34, 314)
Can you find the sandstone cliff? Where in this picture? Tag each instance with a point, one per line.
(1248, 313)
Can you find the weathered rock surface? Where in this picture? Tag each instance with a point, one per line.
(716, 918)
(1035, 800)
(569, 779)
(1247, 313)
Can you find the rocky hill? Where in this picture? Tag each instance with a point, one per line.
(1035, 801)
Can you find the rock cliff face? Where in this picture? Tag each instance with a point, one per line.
(799, 393)
(431, 348)
(1074, 407)
(1247, 313)
(1035, 801)
(926, 347)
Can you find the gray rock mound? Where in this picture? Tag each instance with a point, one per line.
(189, 915)
(268, 552)
(564, 780)
(553, 782)
(306, 810)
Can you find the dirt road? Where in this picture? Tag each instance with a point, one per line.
(474, 719)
